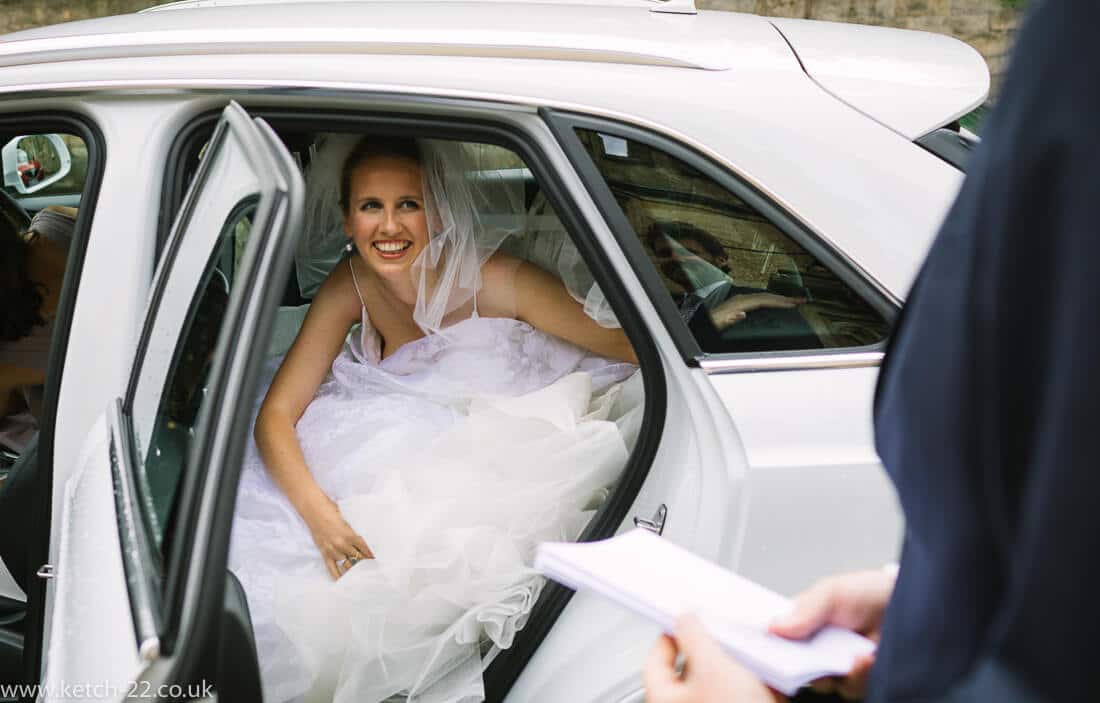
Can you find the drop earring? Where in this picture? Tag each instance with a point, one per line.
(349, 247)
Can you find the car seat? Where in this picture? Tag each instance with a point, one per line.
(15, 513)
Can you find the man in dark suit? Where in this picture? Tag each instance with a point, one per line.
(986, 419)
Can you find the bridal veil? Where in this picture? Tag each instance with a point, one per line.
(477, 201)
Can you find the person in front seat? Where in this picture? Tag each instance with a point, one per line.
(32, 268)
(716, 308)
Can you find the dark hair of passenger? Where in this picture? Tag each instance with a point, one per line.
(681, 231)
(370, 147)
(22, 297)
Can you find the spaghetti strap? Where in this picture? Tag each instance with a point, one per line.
(355, 282)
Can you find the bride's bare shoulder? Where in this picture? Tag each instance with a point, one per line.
(338, 293)
(500, 269)
(497, 297)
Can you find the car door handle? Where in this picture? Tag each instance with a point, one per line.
(656, 524)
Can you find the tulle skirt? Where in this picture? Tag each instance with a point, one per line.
(451, 490)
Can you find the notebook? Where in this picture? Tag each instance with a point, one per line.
(660, 580)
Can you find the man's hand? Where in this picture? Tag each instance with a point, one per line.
(855, 601)
(709, 674)
(738, 307)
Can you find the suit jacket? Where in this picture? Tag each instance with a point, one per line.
(988, 406)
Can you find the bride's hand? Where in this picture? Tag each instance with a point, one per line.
(340, 545)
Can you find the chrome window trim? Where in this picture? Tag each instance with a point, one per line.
(792, 362)
(138, 558)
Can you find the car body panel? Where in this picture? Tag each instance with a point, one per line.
(808, 435)
(118, 261)
(913, 82)
(94, 642)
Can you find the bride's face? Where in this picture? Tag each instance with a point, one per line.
(385, 216)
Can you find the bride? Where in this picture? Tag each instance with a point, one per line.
(400, 479)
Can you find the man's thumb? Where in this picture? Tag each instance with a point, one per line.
(810, 613)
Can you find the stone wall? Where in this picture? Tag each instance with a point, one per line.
(24, 14)
(987, 25)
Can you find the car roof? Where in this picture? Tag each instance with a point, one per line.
(620, 31)
(912, 82)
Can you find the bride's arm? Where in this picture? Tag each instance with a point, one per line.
(522, 290)
(332, 313)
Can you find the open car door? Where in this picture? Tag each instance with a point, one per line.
(134, 611)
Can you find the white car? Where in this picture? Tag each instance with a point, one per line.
(819, 157)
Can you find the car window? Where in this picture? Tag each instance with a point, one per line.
(39, 170)
(186, 387)
(739, 283)
(185, 327)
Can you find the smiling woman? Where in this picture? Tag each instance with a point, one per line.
(476, 411)
(383, 200)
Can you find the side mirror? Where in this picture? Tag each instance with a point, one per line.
(35, 161)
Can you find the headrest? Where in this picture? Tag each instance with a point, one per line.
(55, 222)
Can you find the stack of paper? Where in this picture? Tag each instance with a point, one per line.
(660, 580)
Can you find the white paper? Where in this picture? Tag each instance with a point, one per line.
(660, 581)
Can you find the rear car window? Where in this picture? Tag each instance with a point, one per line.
(739, 283)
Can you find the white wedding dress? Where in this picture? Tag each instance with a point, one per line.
(452, 458)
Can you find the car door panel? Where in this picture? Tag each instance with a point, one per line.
(798, 417)
(698, 474)
(699, 459)
(115, 258)
(111, 619)
(94, 639)
(203, 615)
(814, 477)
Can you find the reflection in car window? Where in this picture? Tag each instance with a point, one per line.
(739, 283)
(73, 183)
(37, 160)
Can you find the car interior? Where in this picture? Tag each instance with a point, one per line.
(542, 241)
(16, 475)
